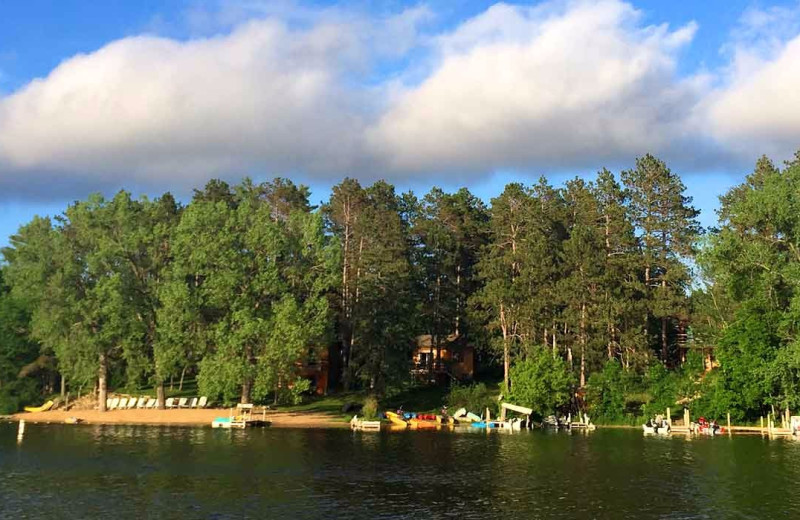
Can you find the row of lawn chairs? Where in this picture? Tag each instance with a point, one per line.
(142, 403)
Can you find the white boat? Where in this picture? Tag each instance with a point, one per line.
(653, 430)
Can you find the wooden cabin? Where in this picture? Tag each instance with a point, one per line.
(453, 359)
(317, 370)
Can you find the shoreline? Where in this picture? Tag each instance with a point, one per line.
(179, 417)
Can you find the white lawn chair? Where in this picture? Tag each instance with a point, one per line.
(108, 404)
(123, 403)
(193, 402)
(151, 403)
(131, 403)
(202, 402)
(182, 402)
(141, 402)
(170, 402)
(114, 404)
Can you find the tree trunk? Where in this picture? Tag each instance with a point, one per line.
(583, 344)
(183, 373)
(63, 385)
(102, 383)
(246, 387)
(506, 349)
(161, 397)
(664, 352)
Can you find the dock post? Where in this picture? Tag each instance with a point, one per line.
(729, 423)
(669, 417)
(761, 420)
(21, 430)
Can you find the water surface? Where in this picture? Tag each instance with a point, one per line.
(60, 471)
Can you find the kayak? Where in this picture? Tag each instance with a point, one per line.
(396, 419)
(35, 409)
(422, 423)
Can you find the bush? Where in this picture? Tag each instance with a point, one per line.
(369, 410)
(541, 382)
(295, 393)
(19, 393)
(475, 398)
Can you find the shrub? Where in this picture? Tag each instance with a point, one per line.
(295, 393)
(475, 398)
(369, 410)
(541, 382)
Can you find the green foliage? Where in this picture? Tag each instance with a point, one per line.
(609, 391)
(474, 397)
(369, 410)
(295, 393)
(541, 382)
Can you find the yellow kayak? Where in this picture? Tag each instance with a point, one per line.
(396, 419)
(34, 409)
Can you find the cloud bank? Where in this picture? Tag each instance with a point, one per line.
(557, 86)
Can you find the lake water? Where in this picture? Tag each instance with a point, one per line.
(60, 471)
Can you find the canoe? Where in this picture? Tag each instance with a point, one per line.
(396, 419)
(472, 417)
(478, 424)
(35, 409)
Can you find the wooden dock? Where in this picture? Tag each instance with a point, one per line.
(767, 427)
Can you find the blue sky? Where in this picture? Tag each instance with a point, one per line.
(153, 96)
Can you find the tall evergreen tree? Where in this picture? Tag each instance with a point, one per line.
(667, 223)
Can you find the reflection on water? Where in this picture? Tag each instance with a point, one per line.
(93, 471)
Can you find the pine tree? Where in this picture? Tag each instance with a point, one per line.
(668, 226)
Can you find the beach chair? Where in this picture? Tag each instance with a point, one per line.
(123, 403)
(131, 403)
(141, 402)
(114, 404)
(151, 403)
(108, 404)
(182, 402)
(193, 402)
(202, 402)
(170, 402)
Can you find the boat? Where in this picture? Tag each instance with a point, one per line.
(445, 420)
(423, 423)
(652, 430)
(36, 409)
(657, 426)
(396, 420)
(703, 427)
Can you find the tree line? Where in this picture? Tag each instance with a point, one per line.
(590, 280)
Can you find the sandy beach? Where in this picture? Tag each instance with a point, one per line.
(186, 417)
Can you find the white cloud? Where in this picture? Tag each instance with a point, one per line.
(561, 85)
(557, 85)
(756, 110)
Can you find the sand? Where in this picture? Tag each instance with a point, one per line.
(186, 417)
